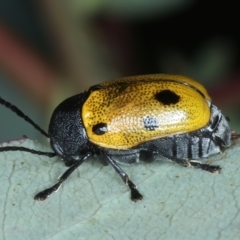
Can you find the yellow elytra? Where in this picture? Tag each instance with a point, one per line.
(138, 109)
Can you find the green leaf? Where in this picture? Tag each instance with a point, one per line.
(179, 203)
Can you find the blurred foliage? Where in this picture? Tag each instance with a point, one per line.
(81, 43)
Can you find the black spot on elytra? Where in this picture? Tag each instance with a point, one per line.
(150, 123)
(99, 128)
(167, 97)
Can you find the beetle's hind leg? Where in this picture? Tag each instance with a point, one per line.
(205, 167)
(135, 194)
(197, 164)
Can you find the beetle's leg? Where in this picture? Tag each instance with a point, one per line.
(135, 194)
(41, 196)
(205, 167)
(194, 163)
(197, 164)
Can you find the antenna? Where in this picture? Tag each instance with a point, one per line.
(22, 115)
(23, 149)
(29, 120)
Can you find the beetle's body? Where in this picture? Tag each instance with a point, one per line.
(70, 136)
(138, 119)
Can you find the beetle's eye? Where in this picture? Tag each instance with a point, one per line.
(167, 97)
(100, 128)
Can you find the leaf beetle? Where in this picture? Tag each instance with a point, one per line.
(134, 119)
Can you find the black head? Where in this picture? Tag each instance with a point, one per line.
(66, 131)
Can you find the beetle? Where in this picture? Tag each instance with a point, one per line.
(135, 119)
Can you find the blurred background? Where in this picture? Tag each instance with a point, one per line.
(50, 50)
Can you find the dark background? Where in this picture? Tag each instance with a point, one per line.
(50, 50)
